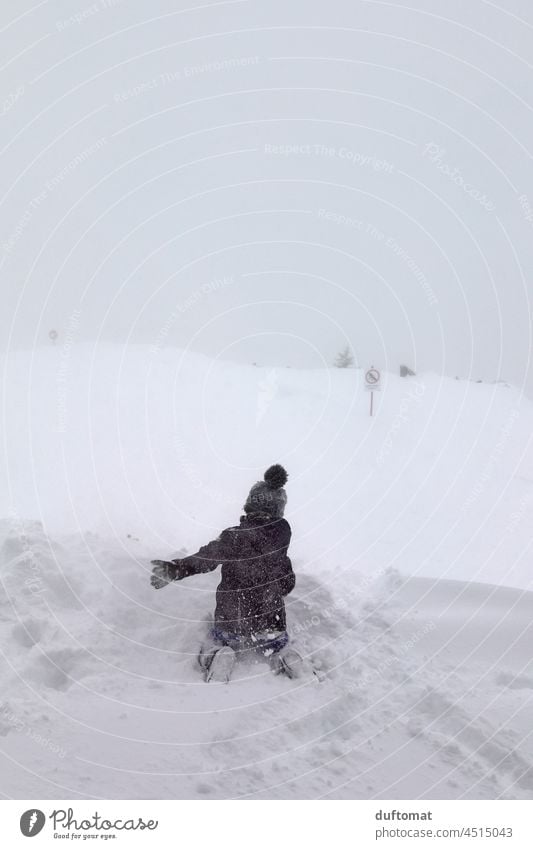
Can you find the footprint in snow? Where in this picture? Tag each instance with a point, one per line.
(514, 682)
(28, 632)
(58, 669)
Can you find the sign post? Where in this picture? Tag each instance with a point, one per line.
(372, 384)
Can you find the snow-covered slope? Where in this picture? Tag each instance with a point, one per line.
(114, 457)
(165, 445)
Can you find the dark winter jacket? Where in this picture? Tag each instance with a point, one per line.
(256, 575)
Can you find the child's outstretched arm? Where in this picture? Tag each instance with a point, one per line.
(206, 559)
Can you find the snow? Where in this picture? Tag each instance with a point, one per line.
(411, 538)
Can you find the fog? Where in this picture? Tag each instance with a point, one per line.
(267, 182)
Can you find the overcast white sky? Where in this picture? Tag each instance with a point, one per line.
(264, 181)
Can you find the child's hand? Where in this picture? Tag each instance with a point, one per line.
(162, 574)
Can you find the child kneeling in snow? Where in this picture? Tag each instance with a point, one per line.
(256, 576)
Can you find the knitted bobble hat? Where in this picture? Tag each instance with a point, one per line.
(268, 496)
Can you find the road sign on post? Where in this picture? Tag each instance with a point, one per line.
(372, 384)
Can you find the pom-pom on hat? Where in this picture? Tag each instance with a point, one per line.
(268, 496)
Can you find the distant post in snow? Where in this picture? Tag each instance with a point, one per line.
(372, 384)
(53, 336)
